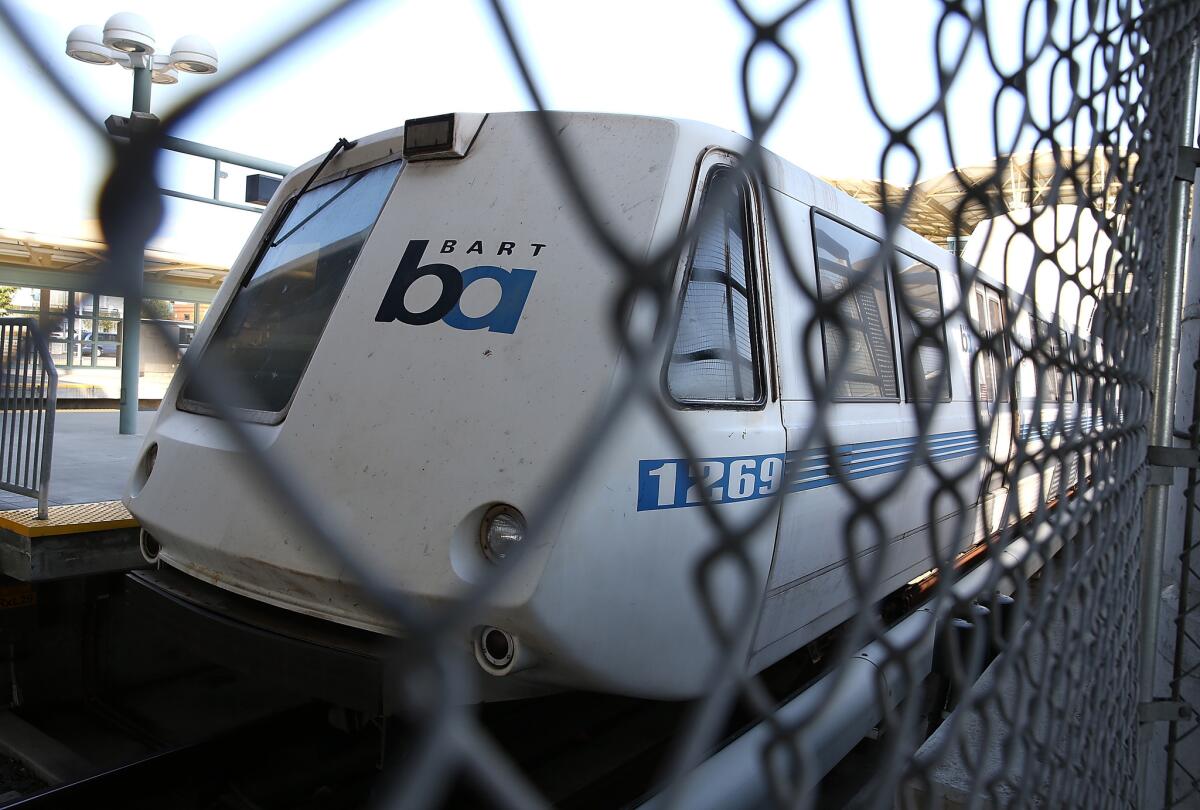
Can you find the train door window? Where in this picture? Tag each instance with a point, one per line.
(1083, 377)
(991, 363)
(996, 327)
(1087, 387)
(1068, 389)
(1026, 368)
(1051, 384)
(860, 360)
(1051, 374)
(985, 373)
(922, 330)
(715, 356)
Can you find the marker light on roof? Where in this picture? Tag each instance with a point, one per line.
(440, 136)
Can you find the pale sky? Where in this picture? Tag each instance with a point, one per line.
(388, 61)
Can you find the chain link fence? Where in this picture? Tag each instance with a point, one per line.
(1008, 677)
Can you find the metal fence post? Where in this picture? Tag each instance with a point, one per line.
(1165, 370)
(1184, 642)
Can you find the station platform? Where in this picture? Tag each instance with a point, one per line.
(92, 461)
(75, 540)
(88, 530)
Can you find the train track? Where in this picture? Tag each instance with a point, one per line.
(294, 759)
(581, 750)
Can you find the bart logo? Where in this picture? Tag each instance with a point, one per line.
(514, 290)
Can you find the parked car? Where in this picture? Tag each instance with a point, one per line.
(59, 332)
(107, 341)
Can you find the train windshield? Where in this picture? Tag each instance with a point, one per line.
(271, 327)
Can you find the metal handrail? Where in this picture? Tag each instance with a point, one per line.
(28, 399)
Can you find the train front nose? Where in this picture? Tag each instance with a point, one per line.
(415, 358)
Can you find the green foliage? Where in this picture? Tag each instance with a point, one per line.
(157, 308)
(6, 297)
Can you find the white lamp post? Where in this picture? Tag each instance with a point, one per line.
(127, 40)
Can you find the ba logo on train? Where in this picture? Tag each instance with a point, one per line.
(514, 289)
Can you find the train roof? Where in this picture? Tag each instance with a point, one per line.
(692, 137)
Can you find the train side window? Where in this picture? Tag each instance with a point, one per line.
(922, 330)
(715, 356)
(862, 337)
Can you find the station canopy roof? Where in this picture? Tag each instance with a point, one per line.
(988, 190)
(38, 260)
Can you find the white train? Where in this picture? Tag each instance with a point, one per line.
(425, 330)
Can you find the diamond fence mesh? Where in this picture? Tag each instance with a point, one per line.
(1015, 682)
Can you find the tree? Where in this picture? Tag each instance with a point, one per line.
(157, 308)
(6, 297)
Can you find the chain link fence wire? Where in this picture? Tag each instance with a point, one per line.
(1029, 696)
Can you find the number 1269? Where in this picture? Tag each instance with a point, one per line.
(675, 482)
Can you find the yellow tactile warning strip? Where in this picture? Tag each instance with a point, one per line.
(73, 518)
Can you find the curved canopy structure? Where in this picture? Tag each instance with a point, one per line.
(987, 190)
(38, 260)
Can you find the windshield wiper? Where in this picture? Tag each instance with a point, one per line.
(341, 146)
(317, 210)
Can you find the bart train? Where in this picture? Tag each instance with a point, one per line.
(423, 328)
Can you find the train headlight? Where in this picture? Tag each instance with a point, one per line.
(502, 528)
(141, 473)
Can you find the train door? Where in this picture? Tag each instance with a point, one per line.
(721, 384)
(993, 398)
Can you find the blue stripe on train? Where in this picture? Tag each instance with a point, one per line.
(867, 449)
(895, 463)
(864, 465)
(668, 483)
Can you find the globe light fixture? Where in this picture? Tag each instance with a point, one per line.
(86, 43)
(193, 54)
(162, 71)
(129, 33)
(128, 40)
